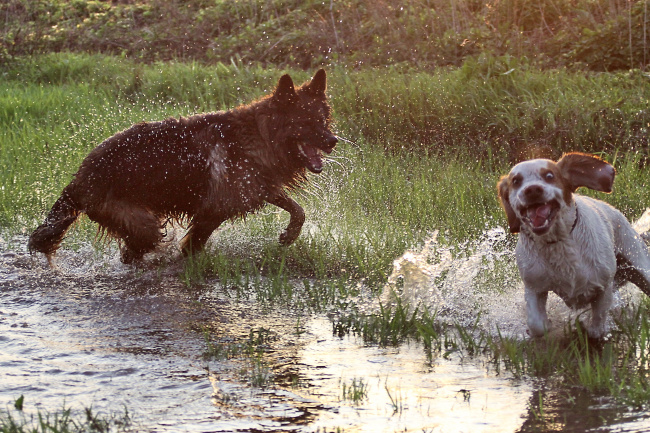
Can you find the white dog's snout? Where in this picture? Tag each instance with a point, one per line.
(533, 191)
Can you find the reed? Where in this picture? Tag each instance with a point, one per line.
(64, 421)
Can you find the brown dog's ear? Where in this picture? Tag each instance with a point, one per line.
(582, 169)
(318, 84)
(504, 193)
(285, 93)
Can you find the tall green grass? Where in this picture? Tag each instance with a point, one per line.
(490, 107)
(15, 420)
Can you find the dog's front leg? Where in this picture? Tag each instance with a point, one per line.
(200, 230)
(538, 322)
(599, 309)
(297, 219)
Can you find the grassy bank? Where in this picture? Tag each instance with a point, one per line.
(501, 107)
(602, 35)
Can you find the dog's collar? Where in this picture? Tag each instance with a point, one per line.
(575, 223)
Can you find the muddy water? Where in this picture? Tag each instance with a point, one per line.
(97, 333)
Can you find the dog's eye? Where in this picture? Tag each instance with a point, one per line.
(516, 181)
(549, 177)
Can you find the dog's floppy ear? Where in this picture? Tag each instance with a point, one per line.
(285, 93)
(318, 84)
(504, 194)
(582, 169)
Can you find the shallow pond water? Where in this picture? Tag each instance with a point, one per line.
(97, 333)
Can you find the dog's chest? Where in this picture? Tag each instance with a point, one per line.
(577, 276)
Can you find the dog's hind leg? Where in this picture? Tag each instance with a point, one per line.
(297, 219)
(633, 260)
(48, 236)
(637, 274)
(200, 230)
(138, 228)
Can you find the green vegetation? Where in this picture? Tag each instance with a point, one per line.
(411, 134)
(355, 392)
(592, 34)
(65, 421)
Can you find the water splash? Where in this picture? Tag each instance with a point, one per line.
(462, 283)
(478, 282)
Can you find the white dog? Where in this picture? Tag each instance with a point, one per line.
(578, 247)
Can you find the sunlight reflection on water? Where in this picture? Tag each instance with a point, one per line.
(404, 393)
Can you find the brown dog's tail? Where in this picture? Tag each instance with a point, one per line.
(47, 237)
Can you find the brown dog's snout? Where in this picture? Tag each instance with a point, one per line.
(331, 141)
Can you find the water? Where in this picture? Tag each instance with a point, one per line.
(98, 333)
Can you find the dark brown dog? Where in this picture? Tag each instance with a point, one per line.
(205, 169)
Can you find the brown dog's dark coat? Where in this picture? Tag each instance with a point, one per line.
(207, 168)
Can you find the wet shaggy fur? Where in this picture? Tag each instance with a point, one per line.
(205, 169)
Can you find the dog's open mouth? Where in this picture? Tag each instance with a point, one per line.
(313, 156)
(539, 216)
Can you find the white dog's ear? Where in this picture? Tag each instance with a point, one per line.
(582, 169)
(503, 189)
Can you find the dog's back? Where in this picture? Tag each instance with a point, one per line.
(160, 165)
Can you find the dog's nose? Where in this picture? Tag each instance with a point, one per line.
(533, 191)
(331, 141)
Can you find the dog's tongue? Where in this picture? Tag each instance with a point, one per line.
(314, 161)
(538, 215)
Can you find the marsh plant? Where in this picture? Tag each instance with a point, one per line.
(396, 401)
(16, 420)
(354, 391)
(616, 366)
(257, 343)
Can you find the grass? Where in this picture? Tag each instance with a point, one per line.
(418, 129)
(395, 398)
(66, 421)
(356, 391)
(616, 367)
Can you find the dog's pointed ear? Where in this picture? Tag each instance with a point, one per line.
(318, 84)
(503, 190)
(582, 169)
(285, 93)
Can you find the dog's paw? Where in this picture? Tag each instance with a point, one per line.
(538, 329)
(288, 237)
(130, 257)
(596, 333)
